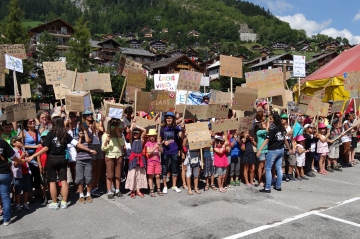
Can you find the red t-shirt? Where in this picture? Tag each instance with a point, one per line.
(43, 157)
(24, 166)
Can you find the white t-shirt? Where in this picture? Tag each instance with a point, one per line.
(347, 137)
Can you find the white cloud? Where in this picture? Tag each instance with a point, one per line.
(299, 21)
(332, 32)
(357, 17)
(278, 6)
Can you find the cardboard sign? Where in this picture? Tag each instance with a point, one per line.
(230, 66)
(352, 81)
(337, 106)
(13, 63)
(194, 111)
(44, 106)
(130, 93)
(166, 82)
(87, 81)
(136, 78)
(198, 135)
(69, 79)
(282, 100)
(145, 123)
(316, 107)
(299, 66)
(19, 112)
(244, 99)
(305, 99)
(162, 101)
(189, 80)
(245, 123)
(2, 80)
(302, 108)
(6, 100)
(217, 111)
(143, 101)
(114, 110)
(126, 64)
(224, 125)
(219, 97)
(55, 72)
(61, 91)
(15, 50)
(25, 91)
(324, 109)
(205, 81)
(104, 83)
(320, 94)
(78, 101)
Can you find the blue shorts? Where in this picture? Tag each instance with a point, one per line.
(262, 157)
(22, 184)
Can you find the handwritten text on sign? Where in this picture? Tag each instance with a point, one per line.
(22, 111)
(268, 82)
(219, 97)
(337, 106)
(136, 78)
(189, 80)
(230, 66)
(162, 101)
(55, 72)
(15, 50)
(198, 135)
(13, 63)
(352, 81)
(166, 81)
(299, 66)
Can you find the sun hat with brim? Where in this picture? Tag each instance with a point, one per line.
(307, 121)
(307, 126)
(44, 133)
(218, 137)
(136, 131)
(169, 114)
(284, 116)
(87, 112)
(300, 138)
(15, 138)
(321, 126)
(152, 132)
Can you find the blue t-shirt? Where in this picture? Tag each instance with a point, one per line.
(235, 150)
(171, 134)
(298, 129)
(261, 136)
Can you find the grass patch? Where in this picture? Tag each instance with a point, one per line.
(31, 24)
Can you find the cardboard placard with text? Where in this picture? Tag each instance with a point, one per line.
(25, 91)
(316, 107)
(324, 109)
(114, 110)
(320, 94)
(2, 80)
(305, 99)
(352, 81)
(13, 63)
(69, 79)
(61, 91)
(78, 101)
(87, 81)
(194, 111)
(219, 97)
(19, 112)
(126, 64)
(136, 78)
(189, 80)
(245, 123)
(15, 50)
(198, 135)
(302, 108)
(162, 101)
(143, 101)
(55, 72)
(337, 106)
(130, 93)
(224, 125)
(282, 100)
(6, 100)
(244, 99)
(105, 82)
(217, 111)
(230, 66)
(145, 123)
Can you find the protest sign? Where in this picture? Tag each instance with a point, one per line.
(87, 81)
(352, 81)
(305, 99)
(217, 111)
(114, 110)
(145, 123)
(136, 78)
(130, 93)
(6, 100)
(166, 82)
(15, 50)
(162, 101)
(316, 107)
(320, 94)
(299, 66)
(224, 125)
(198, 135)
(126, 64)
(193, 98)
(44, 106)
(2, 80)
(282, 100)
(219, 97)
(189, 80)
(194, 111)
(245, 123)
(143, 101)
(19, 112)
(244, 99)
(302, 108)
(205, 81)
(25, 91)
(104, 83)
(78, 101)
(69, 79)
(60, 91)
(13, 63)
(55, 72)
(337, 106)
(230, 66)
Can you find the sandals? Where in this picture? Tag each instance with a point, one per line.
(132, 194)
(185, 187)
(190, 193)
(140, 194)
(197, 191)
(222, 190)
(207, 187)
(152, 194)
(160, 193)
(213, 187)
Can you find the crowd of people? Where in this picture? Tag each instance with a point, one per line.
(41, 156)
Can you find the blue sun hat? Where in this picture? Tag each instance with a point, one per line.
(87, 112)
(170, 114)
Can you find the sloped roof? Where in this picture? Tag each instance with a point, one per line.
(139, 52)
(216, 64)
(320, 57)
(268, 60)
(112, 40)
(168, 61)
(49, 23)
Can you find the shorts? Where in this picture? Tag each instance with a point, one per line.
(221, 171)
(153, 168)
(192, 171)
(300, 162)
(289, 159)
(56, 166)
(353, 142)
(170, 159)
(334, 152)
(22, 184)
(99, 153)
(83, 172)
(113, 166)
(262, 157)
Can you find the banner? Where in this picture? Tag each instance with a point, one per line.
(55, 72)
(166, 82)
(14, 50)
(189, 80)
(194, 97)
(13, 63)
(230, 66)
(219, 97)
(299, 66)
(19, 112)
(162, 101)
(136, 78)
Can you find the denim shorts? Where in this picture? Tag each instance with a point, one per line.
(22, 184)
(262, 157)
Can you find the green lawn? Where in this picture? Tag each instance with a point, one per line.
(31, 24)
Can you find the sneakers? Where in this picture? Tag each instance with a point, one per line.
(165, 190)
(119, 195)
(17, 208)
(237, 182)
(176, 189)
(111, 197)
(44, 201)
(95, 192)
(54, 206)
(232, 183)
(304, 178)
(26, 206)
(82, 200)
(6, 223)
(265, 190)
(291, 178)
(88, 199)
(64, 205)
(278, 189)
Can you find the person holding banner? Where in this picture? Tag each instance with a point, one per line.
(192, 164)
(170, 137)
(55, 144)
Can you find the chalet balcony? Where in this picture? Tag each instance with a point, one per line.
(110, 49)
(59, 33)
(181, 66)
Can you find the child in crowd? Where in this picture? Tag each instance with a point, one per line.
(42, 166)
(220, 161)
(21, 173)
(209, 169)
(334, 146)
(248, 158)
(310, 146)
(322, 147)
(261, 130)
(300, 152)
(192, 163)
(235, 154)
(136, 178)
(153, 150)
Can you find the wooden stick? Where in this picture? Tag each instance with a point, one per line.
(73, 86)
(61, 103)
(355, 109)
(332, 117)
(123, 88)
(186, 98)
(202, 158)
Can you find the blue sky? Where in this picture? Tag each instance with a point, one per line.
(330, 17)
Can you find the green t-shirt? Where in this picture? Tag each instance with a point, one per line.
(7, 137)
(261, 136)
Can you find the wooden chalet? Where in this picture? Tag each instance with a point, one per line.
(306, 48)
(173, 65)
(160, 56)
(212, 52)
(204, 65)
(284, 60)
(108, 36)
(256, 47)
(192, 54)
(242, 56)
(108, 49)
(323, 59)
(139, 55)
(329, 46)
(290, 48)
(303, 43)
(279, 45)
(176, 53)
(134, 43)
(346, 47)
(255, 61)
(130, 36)
(158, 45)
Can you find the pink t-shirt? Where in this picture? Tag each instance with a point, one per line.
(220, 159)
(154, 156)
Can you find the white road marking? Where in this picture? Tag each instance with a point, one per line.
(337, 219)
(338, 181)
(290, 219)
(285, 205)
(119, 205)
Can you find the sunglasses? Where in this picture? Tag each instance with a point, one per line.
(88, 115)
(72, 116)
(31, 122)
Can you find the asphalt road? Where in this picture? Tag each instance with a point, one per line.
(323, 207)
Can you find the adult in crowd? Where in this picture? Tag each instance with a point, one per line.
(55, 144)
(298, 127)
(8, 131)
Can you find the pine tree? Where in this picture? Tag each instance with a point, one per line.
(78, 55)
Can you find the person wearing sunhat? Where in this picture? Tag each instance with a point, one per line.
(170, 138)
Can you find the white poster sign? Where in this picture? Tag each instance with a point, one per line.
(166, 82)
(13, 63)
(205, 81)
(299, 66)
